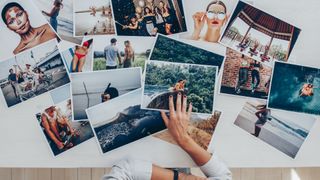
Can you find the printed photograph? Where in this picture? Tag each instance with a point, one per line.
(284, 131)
(207, 19)
(171, 50)
(60, 94)
(93, 17)
(59, 13)
(116, 52)
(32, 73)
(121, 121)
(79, 58)
(295, 90)
(244, 76)
(163, 79)
(149, 17)
(24, 27)
(201, 129)
(91, 88)
(259, 35)
(60, 132)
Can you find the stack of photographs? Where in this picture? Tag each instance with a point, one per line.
(110, 66)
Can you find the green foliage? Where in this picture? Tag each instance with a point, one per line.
(170, 50)
(200, 82)
(100, 63)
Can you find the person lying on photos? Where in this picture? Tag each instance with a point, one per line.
(149, 19)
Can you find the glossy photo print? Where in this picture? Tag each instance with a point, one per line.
(147, 18)
(58, 129)
(116, 52)
(32, 73)
(92, 88)
(163, 79)
(121, 121)
(244, 76)
(93, 17)
(201, 129)
(59, 14)
(172, 50)
(295, 88)
(259, 35)
(79, 58)
(284, 131)
(23, 27)
(206, 21)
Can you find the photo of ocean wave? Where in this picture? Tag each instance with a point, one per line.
(122, 121)
(282, 130)
(127, 126)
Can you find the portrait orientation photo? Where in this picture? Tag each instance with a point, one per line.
(23, 26)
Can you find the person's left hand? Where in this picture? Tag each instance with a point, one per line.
(179, 119)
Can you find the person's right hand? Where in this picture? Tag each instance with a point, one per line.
(179, 119)
(199, 19)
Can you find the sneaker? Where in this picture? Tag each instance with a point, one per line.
(238, 91)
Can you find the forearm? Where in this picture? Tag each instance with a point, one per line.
(196, 152)
(196, 35)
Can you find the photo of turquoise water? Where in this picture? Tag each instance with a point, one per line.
(289, 92)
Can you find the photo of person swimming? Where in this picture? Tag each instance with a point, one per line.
(298, 89)
(61, 133)
(22, 22)
(149, 17)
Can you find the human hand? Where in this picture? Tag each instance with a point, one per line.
(179, 119)
(199, 19)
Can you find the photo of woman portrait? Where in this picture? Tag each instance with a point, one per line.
(206, 21)
(20, 22)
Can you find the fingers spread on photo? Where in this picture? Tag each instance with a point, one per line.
(184, 104)
(165, 118)
(190, 109)
(178, 103)
(171, 105)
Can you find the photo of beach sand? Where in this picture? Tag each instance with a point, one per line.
(282, 130)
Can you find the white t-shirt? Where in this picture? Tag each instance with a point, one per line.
(111, 54)
(214, 169)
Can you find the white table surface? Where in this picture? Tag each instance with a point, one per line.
(22, 143)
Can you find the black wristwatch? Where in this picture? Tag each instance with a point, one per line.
(175, 175)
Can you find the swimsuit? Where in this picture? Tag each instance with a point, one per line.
(79, 55)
